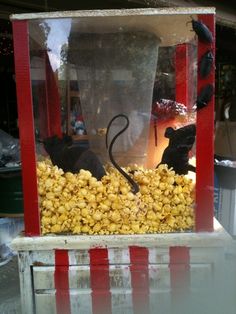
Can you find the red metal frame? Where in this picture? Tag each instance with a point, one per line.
(205, 143)
(50, 121)
(26, 127)
(204, 212)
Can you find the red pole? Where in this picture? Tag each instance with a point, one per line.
(26, 127)
(100, 281)
(52, 100)
(61, 281)
(139, 279)
(49, 102)
(205, 142)
(181, 74)
(179, 266)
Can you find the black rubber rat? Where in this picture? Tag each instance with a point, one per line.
(72, 158)
(176, 154)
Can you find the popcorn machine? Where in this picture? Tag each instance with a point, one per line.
(117, 170)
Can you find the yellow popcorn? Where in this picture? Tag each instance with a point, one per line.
(85, 229)
(115, 216)
(135, 227)
(112, 227)
(45, 220)
(144, 189)
(104, 207)
(97, 215)
(97, 227)
(56, 228)
(77, 229)
(112, 197)
(54, 219)
(84, 211)
(162, 186)
(79, 203)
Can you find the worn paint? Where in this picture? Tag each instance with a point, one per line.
(116, 282)
(193, 239)
(125, 12)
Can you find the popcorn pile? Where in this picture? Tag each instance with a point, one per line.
(80, 204)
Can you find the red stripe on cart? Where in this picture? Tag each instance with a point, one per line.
(179, 274)
(139, 279)
(61, 280)
(100, 281)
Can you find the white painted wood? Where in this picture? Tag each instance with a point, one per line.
(169, 25)
(159, 278)
(79, 257)
(79, 277)
(121, 301)
(206, 259)
(27, 298)
(120, 277)
(40, 258)
(218, 238)
(121, 291)
(81, 302)
(45, 303)
(43, 277)
(159, 255)
(115, 256)
(160, 302)
(201, 276)
(129, 12)
(200, 255)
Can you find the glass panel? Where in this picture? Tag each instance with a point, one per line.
(87, 71)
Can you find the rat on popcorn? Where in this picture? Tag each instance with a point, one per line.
(72, 158)
(176, 154)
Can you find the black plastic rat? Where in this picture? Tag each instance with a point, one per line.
(72, 158)
(176, 154)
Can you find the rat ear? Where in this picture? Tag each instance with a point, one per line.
(168, 132)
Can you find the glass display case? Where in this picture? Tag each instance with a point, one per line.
(116, 120)
(116, 128)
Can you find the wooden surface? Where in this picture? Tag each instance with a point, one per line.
(124, 12)
(160, 22)
(50, 242)
(134, 279)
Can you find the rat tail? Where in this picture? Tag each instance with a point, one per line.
(135, 187)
